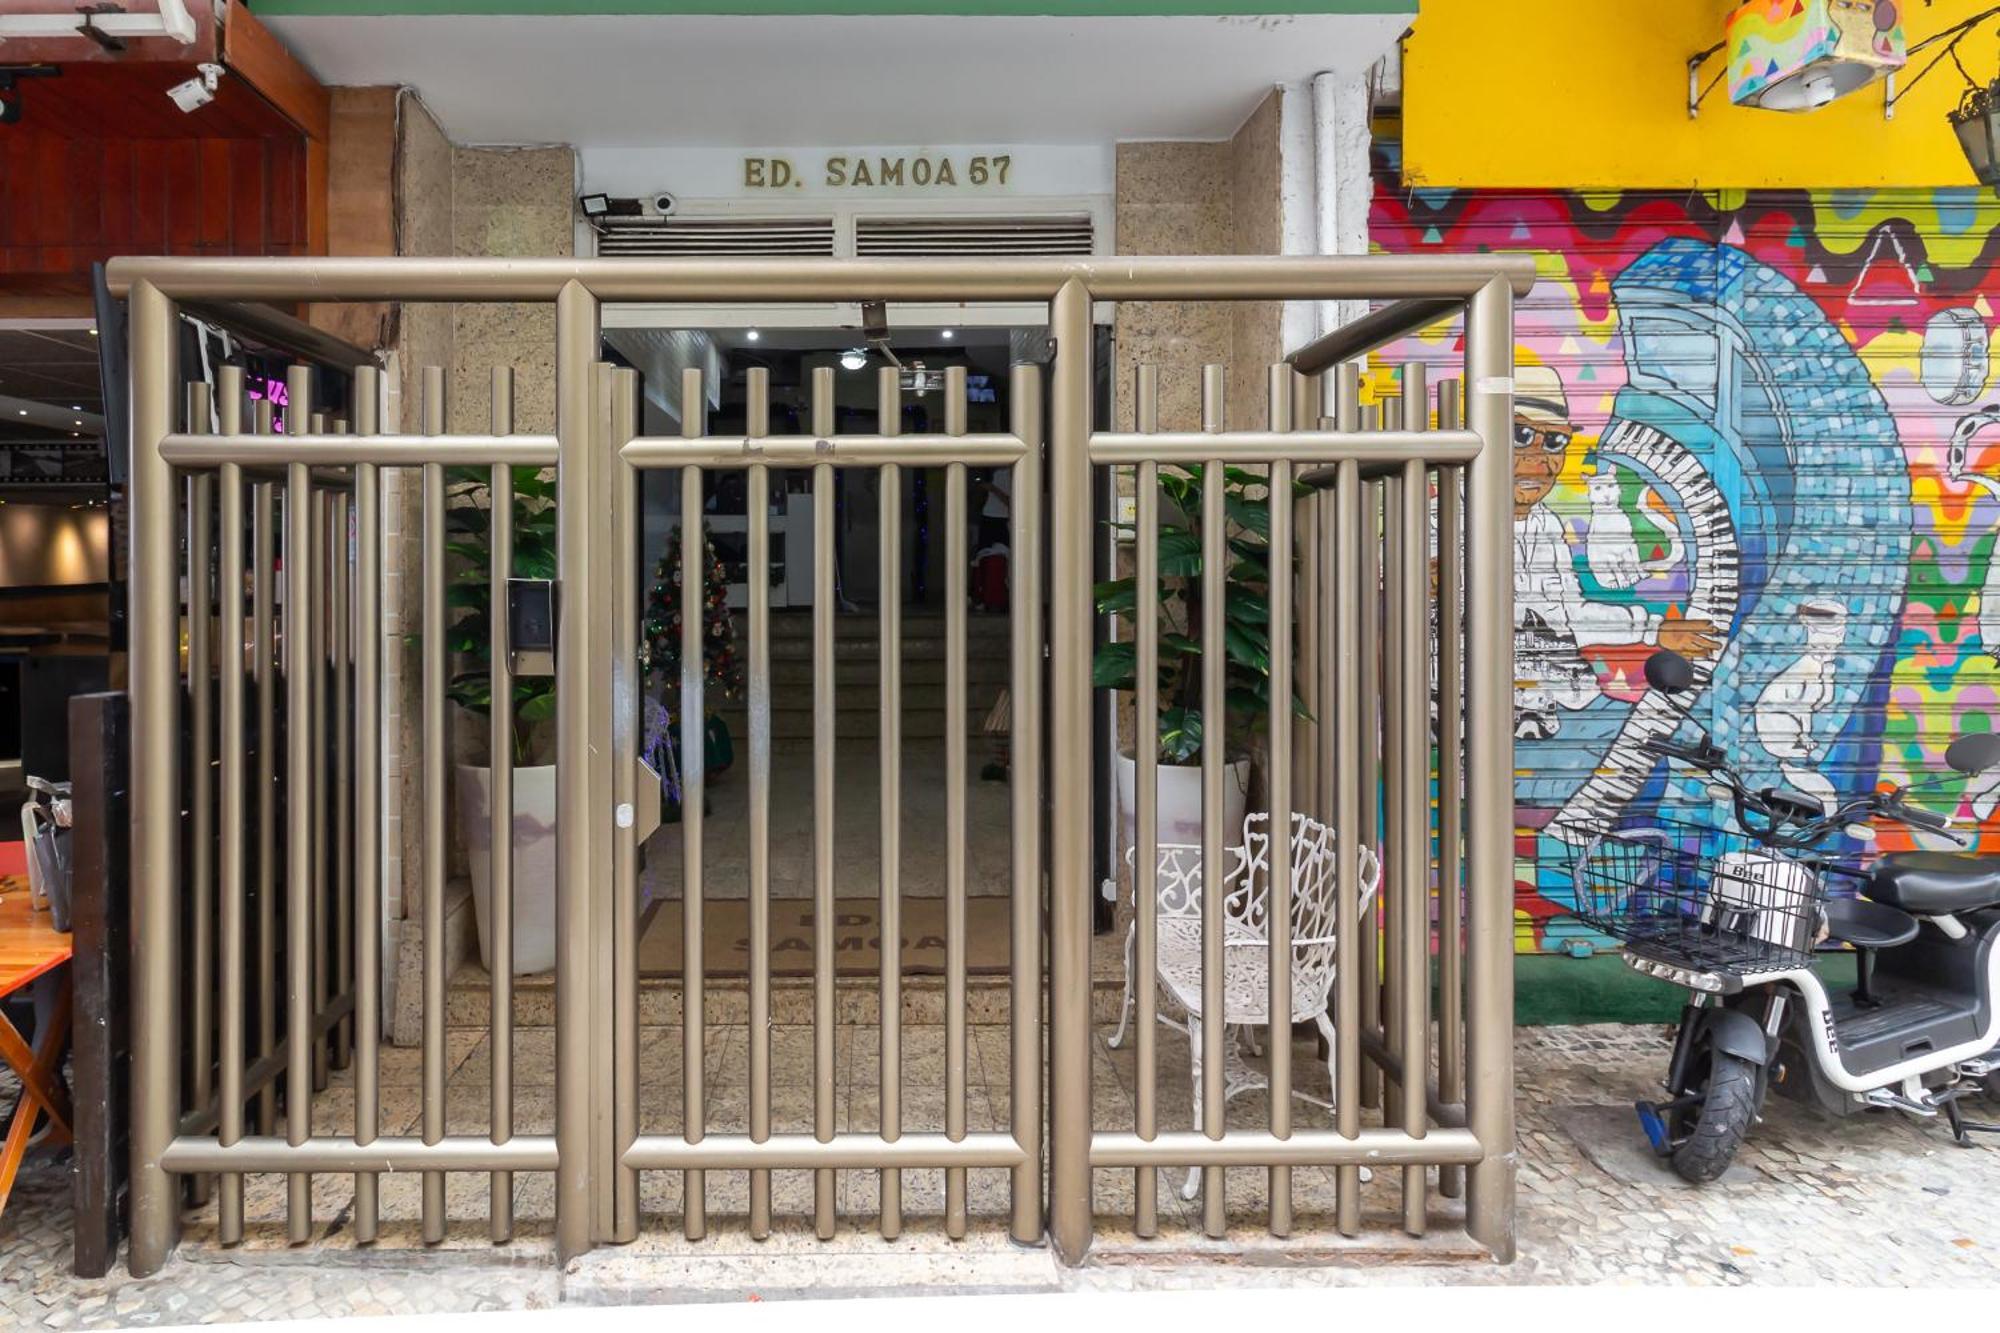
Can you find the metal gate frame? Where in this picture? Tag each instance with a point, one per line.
(596, 1150)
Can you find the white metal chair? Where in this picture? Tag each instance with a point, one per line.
(1246, 986)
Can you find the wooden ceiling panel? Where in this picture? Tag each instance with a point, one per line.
(98, 101)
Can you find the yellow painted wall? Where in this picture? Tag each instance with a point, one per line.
(1593, 94)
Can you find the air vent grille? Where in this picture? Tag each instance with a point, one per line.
(1002, 236)
(715, 238)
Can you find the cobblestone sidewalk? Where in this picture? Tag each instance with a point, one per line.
(1873, 1200)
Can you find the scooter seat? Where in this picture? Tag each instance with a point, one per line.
(1936, 883)
(1867, 925)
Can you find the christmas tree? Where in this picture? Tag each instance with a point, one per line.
(722, 675)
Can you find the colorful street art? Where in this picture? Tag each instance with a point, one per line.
(1764, 430)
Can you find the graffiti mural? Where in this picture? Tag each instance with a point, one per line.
(1763, 430)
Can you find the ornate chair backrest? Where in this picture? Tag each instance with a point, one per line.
(1246, 895)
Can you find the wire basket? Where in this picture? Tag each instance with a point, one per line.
(1698, 898)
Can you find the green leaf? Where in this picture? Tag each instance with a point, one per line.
(1115, 667)
(1180, 734)
(1116, 595)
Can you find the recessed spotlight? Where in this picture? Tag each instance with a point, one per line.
(76, 423)
(854, 359)
(76, 407)
(949, 334)
(93, 333)
(752, 336)
(24, 411)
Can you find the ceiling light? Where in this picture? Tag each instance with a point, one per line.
(24, 411)
(852, 359)
(93, 333)
(76, 407)
(752, 336)
(950, 334)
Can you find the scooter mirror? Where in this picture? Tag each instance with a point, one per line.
(1973, 754)
(1668, 672)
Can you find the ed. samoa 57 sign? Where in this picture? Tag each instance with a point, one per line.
(875, 171)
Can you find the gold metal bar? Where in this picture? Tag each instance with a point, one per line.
(1212, 1032)
(1146, 801)
(1070, 886)
(625, 738)
(1489, 725)
(300, 795)
(1278, 914)
(694, 570)
(500, 810)
(1123, 278)
(434, 758)
(1351, 786)
(757, 410)
(1370, 596)
(268, 1069)
(625, 697)
(328, 1153)
(1308, 728)
(1451, 780)
(607, 1031)
(1392, 895)
(1368, 1147)
(577, 336)
(848, 1152)
(956, 727)
(342, 613)
(201, 778)
(155, 677)
(889, 555)
(322, 791)
(367, 802)
(1414, 681)
(1024, 779)
(235, 784)
(865, 451)
(264, 606)
(328, 449)
(1242, 448)
(824, 1180)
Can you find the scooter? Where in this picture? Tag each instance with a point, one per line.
(1741, 917)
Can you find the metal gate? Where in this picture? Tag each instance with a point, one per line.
(257, 839)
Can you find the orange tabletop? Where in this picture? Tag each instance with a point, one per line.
(29, 944)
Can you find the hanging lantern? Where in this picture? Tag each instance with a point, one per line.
(1977, 123)
(1798, 55)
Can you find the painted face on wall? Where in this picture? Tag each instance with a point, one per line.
(1542, 432)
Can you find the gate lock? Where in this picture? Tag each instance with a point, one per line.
(531, 627)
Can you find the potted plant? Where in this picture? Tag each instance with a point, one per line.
(469, 603)
(1179, 731)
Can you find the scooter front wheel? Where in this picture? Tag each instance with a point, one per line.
(1707, 1131)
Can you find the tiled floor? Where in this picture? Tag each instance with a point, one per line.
(1876, 1199)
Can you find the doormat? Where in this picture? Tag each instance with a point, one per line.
(856, 939)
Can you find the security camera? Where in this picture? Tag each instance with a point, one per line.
(198, 91)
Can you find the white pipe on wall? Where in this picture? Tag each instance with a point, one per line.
(1343, 187)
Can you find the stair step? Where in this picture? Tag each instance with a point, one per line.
(864, 625)
(789, 671)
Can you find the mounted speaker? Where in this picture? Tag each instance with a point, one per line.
(1799, 55)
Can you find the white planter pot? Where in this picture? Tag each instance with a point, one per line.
(534, 861)
(1178, 803)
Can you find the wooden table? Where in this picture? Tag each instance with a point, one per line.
(30, 949)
